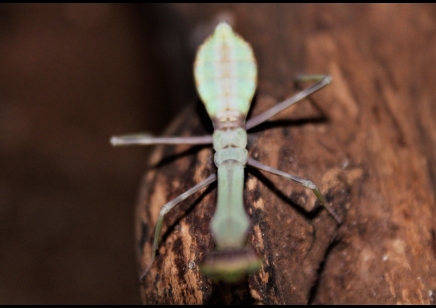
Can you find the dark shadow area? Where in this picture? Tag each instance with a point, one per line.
(287, 123)
(72, 76)
(230, 294)
(314, 289)
(169, 155)
(205, 120)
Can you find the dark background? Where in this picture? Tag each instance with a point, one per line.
(71, 76)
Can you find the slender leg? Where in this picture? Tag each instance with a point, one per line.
(305, 183)
(147, 139)
(307, 77)
(165, 209)
(326, 80)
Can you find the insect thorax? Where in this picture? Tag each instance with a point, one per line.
(230, 143)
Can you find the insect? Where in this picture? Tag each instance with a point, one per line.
(225, 72)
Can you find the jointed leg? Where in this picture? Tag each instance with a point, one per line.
(303, 182)
(325, 80)
(147, 139)
(165, 209)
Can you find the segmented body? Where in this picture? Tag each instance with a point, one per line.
(226, 76)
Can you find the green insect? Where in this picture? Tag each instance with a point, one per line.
(225, 73)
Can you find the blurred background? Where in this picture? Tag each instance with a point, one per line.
(71, 76)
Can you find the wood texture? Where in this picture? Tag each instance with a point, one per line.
(368, 141)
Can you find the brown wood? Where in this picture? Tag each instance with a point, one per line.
(368, 141)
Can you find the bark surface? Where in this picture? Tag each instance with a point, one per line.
(368, 141)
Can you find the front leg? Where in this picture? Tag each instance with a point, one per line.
(148, 139)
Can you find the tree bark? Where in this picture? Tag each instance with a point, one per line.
(368, 142)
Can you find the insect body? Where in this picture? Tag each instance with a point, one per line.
(226, 75)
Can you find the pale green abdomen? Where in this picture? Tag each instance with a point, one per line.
(225, 72)
(230, 223)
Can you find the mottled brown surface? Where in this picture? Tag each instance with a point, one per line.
(367, 141)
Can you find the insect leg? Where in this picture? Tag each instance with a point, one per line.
(306, 183)
(165, 209)
(148, 139)
(307, 77)
(326, 80)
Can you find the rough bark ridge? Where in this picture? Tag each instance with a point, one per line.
(368, 141)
